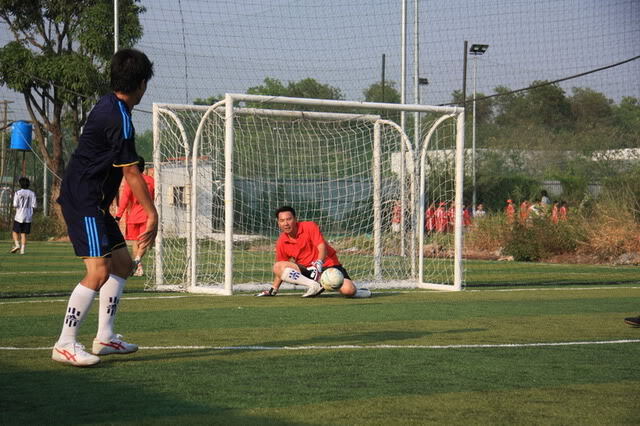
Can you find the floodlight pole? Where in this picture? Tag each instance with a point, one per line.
(476, 50)
(116, 32)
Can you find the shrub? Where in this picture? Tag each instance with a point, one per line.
(487, 233)
(46, 227)
(524, 244)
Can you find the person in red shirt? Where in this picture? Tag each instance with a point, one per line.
(442, 219)
(562, 211)
(466, 216)
(524, 211)
(510, 211)
(430, 219)
(396, 216)
(136, 222)
(554, 213)
(302, 254)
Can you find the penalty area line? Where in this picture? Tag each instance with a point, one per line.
(334, 347)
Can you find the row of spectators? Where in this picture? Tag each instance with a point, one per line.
(440, 217)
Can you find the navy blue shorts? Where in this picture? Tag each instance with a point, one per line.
(21, 228)
(93, 236)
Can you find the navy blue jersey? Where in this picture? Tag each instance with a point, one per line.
(94, 172)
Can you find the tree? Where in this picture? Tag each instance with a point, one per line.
(590, 108)
(548, 106)
(60, 57)
(211, 100)
(375, 93)
(627, 116)
(305, 88)
(484, 108)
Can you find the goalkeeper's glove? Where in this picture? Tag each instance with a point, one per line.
(316, 269)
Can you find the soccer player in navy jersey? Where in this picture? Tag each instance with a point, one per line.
(106, 152)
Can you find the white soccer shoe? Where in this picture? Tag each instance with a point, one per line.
(362, 293)
(74, 354)
(314, 290)
(114, 346)
(139, 271)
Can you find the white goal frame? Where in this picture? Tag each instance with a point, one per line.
(228, 110)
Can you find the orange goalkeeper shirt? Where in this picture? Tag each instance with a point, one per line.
(304, 248)
(136, 213)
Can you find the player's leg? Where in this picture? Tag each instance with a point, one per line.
(133, 234)
(15, 233)
(85, 234)
(297, 274)
(349, 288)
(23, 237)
(107, 341)
(67, 349)
(291, 273)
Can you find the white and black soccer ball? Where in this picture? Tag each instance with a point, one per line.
(331, 279)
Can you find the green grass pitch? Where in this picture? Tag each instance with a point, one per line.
(543, 353)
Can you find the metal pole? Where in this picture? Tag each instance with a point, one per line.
(416, 76)
(3, 151)
(464, 77)
(403, 65)
(473, 135)
(116, 32)
(383, 71)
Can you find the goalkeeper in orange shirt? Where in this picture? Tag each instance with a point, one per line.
(136, 221)
(301, 255)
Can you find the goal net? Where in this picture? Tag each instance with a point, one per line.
(221, 171)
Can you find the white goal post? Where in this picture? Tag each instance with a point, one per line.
(222, 170)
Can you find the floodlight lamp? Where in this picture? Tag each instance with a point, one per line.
(478, 49)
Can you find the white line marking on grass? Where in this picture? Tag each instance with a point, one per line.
(78, 272)
(333, 347)
(332, 295)
(553, 288)
(66, 300)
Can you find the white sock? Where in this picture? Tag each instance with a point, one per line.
(110, 294)
(292, 276)
(77, 309)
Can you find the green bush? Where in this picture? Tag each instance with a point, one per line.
(524, 244)
(46, 227)
(540, 238)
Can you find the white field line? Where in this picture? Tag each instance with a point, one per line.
(330, 294)
(334, 347)
(79, 272)
(66, 300)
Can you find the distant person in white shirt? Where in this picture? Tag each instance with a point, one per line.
(24, 201)
(480, 211)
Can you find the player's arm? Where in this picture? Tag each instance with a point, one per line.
(139, 189)
(318, 240)
(125, 199)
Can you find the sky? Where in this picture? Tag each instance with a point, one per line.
(204, 48)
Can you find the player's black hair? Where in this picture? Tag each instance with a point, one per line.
(24, 182)
(129, 68)
(141, 163)
(285, 209)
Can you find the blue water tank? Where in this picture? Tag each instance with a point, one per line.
(21, 135)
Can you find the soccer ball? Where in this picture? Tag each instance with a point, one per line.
(331, 279)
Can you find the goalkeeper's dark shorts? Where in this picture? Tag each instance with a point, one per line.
(307, 273)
